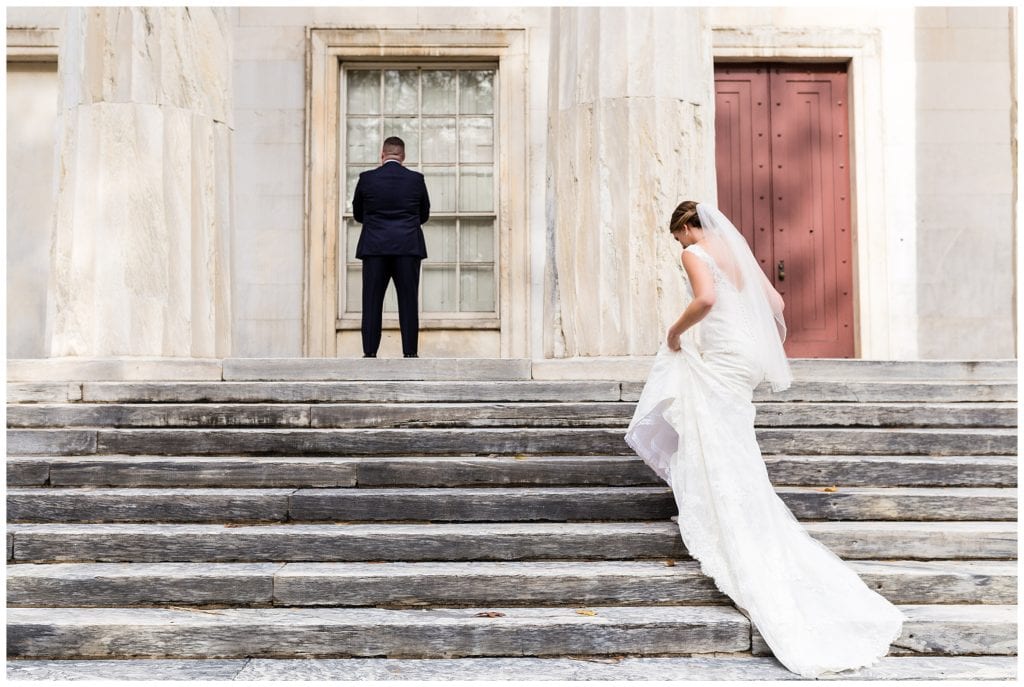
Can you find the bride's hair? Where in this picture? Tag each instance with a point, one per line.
(685, 213)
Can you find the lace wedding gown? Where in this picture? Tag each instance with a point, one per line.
(694, 425)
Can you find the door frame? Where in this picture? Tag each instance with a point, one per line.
(885, 326)
(326, 49)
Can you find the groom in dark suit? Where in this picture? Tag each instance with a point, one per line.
(391, 203)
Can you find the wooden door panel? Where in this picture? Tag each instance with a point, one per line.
(790, 194)
(810, 146)
(742, 151)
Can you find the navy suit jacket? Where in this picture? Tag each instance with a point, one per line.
(391, 203)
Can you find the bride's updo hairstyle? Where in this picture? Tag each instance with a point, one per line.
(685, 213)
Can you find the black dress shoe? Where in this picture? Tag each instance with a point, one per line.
(411, 356)
(370, 356)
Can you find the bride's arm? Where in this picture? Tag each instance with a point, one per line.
(703, 298)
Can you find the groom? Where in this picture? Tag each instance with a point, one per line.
(391, 203)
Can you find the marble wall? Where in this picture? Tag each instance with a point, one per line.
(965, 180)
(142, 233)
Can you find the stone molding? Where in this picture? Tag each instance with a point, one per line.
(327, 48)
(32, 45)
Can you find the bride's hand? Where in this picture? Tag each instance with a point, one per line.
(672, 339)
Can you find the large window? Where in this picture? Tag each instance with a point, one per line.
(446, 116)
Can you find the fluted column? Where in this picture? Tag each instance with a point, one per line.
(631, 134)
(141, 254)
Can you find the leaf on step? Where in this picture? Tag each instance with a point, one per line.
(585, 611)
(670, 563)
(489, 614)
(519, 457)
(233, 524)
(832, 488)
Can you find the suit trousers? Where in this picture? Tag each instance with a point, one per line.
(378, 270)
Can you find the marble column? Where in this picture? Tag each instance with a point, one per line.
(140, 262)
(631, 134)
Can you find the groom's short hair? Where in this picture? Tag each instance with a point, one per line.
(394, 145)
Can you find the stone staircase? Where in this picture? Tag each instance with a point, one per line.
(457, 519)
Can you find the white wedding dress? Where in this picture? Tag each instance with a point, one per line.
(694, 425)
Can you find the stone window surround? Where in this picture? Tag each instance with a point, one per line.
(875, 325)
(36, 45)
(326, 49)
(32, 45)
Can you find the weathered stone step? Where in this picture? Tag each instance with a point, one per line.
(77, 368)
(41, 543)
(492, 504)
(462, 471)
(848, 368)
(300, 632)
(636, 369)
(947, 629)
(877, 392)
(589, 367)
(434, 415)
(484, 392)
(453, 632)
(356, 442)
(422, 369)
(460, 583)
(696, 668)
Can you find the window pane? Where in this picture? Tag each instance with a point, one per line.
(476, 189)
(477, 284)
(476, 139)
(441, 188)
(400, 91)
(476, 240)
(362, 140)
(439, 140)
(408, 130)
(354, 290)
(353, 230)
(363, 92)
(476, 92)
(351, 178)
(438, 289)
(390, 298)
(440, 236)
(438, 91)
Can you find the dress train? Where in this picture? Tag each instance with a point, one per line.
(694, 426)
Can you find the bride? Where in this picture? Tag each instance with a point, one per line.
(694, 425)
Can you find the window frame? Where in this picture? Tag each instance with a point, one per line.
(347, 320)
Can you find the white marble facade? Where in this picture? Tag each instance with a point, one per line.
(197, 121)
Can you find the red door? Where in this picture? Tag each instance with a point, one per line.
(782, 156)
